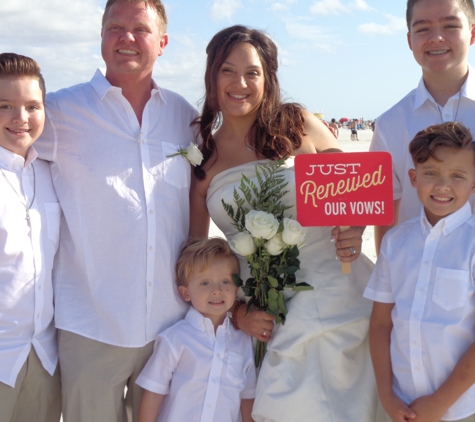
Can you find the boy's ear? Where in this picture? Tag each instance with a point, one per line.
(184, 293)
(412, 177)
(409, 39)
(472, 37)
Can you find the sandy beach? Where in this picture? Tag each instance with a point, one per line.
(347, 145)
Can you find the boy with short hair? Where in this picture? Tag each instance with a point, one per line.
(201, 367)
(440, 35)
(422, 325)
(29, 232)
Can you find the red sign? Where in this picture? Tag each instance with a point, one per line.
(344, 189)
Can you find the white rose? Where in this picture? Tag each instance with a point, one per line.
(294, 233)
(194, 155)
(243, 244)
(261, 224)
(275, 245)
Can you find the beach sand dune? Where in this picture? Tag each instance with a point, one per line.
(347, 145)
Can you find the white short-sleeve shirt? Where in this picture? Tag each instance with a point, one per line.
(27, 250)
(428, 273)
(396, 128)
(204, 375)
(126, 209)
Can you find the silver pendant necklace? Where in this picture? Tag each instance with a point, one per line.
(456, 111)
(25, 204)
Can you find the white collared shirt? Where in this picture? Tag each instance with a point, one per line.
(26, 261)
(126, 208)
(396, 128)
(204, 375)
(428, 272)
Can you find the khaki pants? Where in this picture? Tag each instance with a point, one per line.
(36, 396)
(98, 379)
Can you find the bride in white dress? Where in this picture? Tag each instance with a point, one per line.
(317, 366)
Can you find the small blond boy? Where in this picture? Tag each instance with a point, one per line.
(440, 35)
(201, 368)
(422, 325)
(29, 232)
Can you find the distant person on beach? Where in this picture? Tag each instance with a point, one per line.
(186, 368)
(126, 214)
(336, 130)
(440, 35)
(421, 332)
(30, 387)
(354, 131)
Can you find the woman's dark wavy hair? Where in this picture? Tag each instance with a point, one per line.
(278, 128)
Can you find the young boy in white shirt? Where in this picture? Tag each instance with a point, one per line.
(29, 231)
(422, 325)
(202, 368)
(440, 33)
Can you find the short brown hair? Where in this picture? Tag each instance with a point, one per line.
(465, 5)
(156, 5)
(450, 135)
(200, 253)
(12, 64)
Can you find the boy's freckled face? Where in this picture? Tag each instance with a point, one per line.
(212, 291)
(440, 36)
(22, 113)
(444, 186)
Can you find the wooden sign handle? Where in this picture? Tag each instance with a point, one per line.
(345, 266)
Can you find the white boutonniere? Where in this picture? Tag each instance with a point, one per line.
(192, 153)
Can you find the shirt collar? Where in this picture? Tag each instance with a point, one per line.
(467, 90)
(102, 86)
(449, 223)
(200, 322)
(8, 158)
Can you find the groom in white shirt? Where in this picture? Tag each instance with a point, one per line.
(126, 213)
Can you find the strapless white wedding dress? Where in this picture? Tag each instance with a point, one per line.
(317, 366)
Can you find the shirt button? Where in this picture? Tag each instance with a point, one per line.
(150, 212)
(149, 284)
(416, 316)
(37, 315)
(39, 287)
(209, 406)
(414, 343)
(219, 356)
(150, 248)
(426, 263)
(432, 238)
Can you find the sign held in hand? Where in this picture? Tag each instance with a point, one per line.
(344, 189)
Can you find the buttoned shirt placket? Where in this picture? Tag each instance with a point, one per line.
(218, 344)
(148, 186)
(418, 305)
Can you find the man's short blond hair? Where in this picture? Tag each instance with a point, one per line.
(199, 254)
(156, 5)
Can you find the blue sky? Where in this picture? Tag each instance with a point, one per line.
(343, 57)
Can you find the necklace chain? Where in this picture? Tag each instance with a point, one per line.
(27, 207)
(456, 111)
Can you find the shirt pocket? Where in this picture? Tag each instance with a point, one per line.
(234, 370)
(176, 169)
(53, 220)
(451, 288)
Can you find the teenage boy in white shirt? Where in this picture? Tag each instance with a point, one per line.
(202, 368)
(422, 325)
(29, 232)
(440, 35)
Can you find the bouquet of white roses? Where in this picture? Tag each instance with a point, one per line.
(269, 241)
